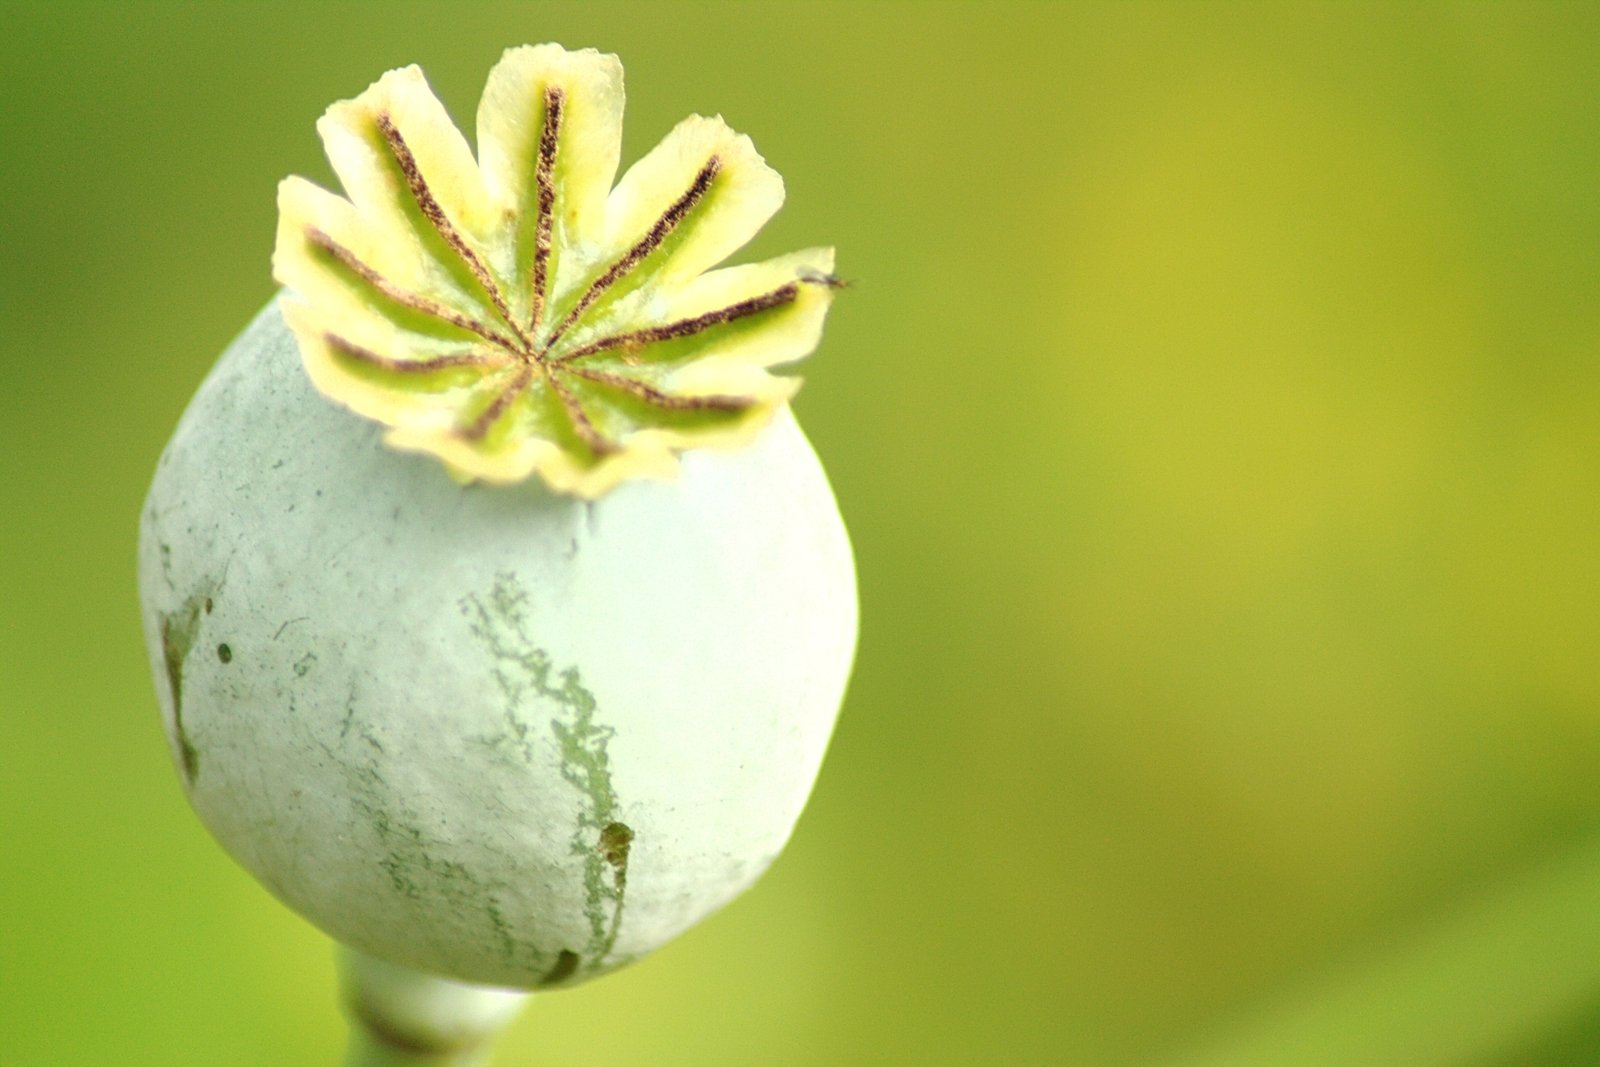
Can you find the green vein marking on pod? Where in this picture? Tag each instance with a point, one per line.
(499, 619)
(416, 860)
(179, 630)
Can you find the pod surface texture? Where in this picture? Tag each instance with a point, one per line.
(487, 732)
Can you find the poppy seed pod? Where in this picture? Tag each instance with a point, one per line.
(521, 716)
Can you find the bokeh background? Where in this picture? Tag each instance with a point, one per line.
(1217, 416)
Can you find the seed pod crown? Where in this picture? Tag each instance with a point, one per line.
(512, 313)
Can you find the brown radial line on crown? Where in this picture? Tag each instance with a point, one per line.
(671, 331)
(650, 394)
(598, 443)
(664, 226)
(478, 427)
(442, 224)
(405, 298)
(413, 366)
(544, 180)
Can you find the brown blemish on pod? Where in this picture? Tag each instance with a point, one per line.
(179, 631)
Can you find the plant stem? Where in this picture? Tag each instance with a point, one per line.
(404, 1018)
(368, 1051)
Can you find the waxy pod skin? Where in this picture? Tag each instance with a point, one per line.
(495, 733)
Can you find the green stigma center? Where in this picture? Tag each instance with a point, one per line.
(527, 355)
(514, 313)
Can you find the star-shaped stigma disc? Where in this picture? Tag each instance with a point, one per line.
(513, 313)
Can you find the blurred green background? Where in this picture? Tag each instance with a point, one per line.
(1217, 416)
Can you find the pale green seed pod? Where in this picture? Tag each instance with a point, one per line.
(505, 732)
(488, 732)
